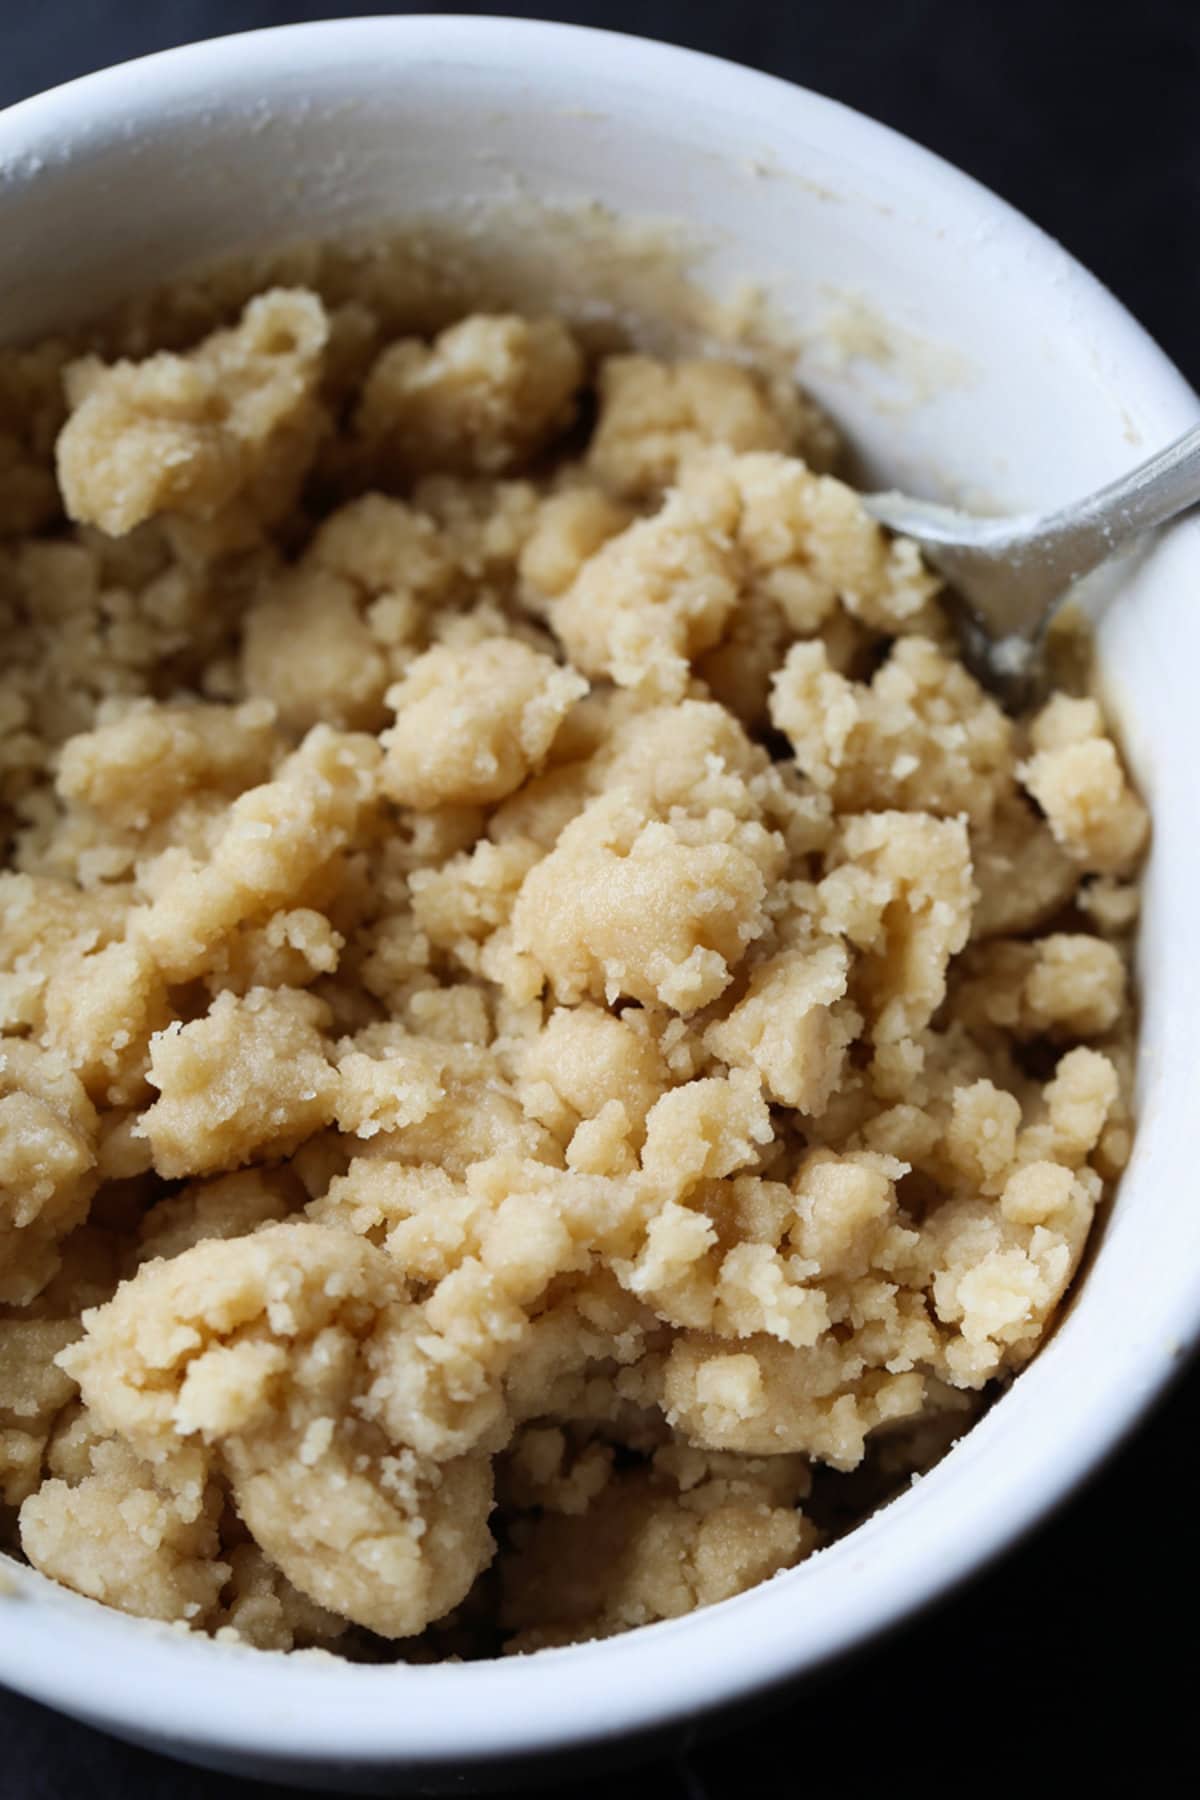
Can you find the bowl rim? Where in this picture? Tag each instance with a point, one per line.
(210, 1698)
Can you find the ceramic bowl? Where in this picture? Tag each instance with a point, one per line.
(965, 354)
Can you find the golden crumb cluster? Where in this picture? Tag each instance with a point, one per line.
(547, 1019)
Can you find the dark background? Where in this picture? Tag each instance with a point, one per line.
(1077, 1654)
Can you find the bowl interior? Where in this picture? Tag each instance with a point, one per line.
(965, 355)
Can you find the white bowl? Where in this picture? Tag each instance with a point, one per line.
(1012, 374)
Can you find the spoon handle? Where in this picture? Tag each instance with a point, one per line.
(1087, 533)
(1012, 573)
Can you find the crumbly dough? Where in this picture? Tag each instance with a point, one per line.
(540, 1002)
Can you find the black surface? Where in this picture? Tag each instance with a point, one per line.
(1076, 1653)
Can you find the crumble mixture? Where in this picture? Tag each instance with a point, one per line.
(555, 1041)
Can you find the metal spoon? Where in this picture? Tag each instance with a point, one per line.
(1013, 574)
